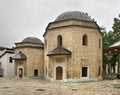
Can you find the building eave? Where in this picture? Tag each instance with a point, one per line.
(113, 49)
(59, 51)
(19, 56)
(10, 52)
(97, 27)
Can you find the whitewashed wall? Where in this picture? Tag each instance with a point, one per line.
(6, 65)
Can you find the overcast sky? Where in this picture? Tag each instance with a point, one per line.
(22, 18)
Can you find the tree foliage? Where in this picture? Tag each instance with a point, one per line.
(108, 39)
(116, 29)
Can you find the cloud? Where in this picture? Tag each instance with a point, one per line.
(23, 18)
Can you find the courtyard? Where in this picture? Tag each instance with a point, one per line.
(11, 86)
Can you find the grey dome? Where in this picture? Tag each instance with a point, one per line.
(32, 40)
(74, 15)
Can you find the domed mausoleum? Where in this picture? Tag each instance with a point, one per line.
(73, 48)
(29, 58)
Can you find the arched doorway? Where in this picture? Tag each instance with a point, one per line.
(59, 73)
(20, 73)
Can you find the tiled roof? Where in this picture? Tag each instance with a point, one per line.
(60, 51)
(114, 47)
(20, 56)
(115, 44)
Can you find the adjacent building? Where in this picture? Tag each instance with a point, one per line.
(6, 62)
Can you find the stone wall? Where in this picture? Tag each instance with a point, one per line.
(35, 60)
(89, 56)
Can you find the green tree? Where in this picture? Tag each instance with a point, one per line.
(116, 37)
(116, 29)
(108, 39)
(106, 44)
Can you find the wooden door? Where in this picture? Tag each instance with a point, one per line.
(59, 73)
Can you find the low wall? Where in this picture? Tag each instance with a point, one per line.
(1, 72)
(111, 76)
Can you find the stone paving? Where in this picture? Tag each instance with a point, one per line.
(11, 86)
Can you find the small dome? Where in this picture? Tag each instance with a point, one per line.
(32, 40)
(74, 15)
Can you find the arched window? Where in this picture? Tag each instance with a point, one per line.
(45, 44)
(99, 43)
(59, 40)
(85, 40)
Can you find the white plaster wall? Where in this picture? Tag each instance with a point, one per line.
(4, 65)
(8, 67)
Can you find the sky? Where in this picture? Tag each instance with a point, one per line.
(29, 18)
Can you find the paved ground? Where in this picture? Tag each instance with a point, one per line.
(10, 86)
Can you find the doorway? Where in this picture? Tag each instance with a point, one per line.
(84, 71)
(59, 73)
(20, 73)
(35, 72)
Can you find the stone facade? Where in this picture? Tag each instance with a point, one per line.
(72, 50)
(33, 64)
(88, 56)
